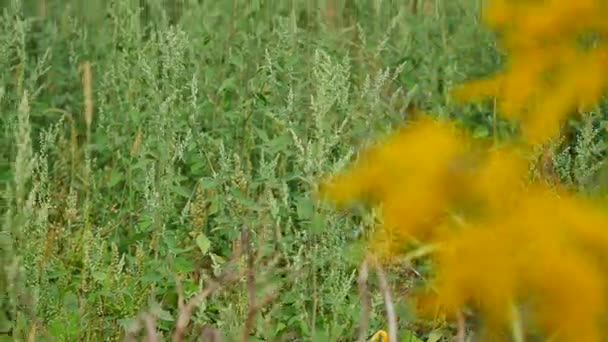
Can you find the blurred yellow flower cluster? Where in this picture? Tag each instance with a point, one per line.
(557, 62)
(546, 252)
(409, 174)
(502, 241)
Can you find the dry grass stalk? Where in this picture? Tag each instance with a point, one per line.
(253, 311)
(330, 13)
(210, 334)
(150, 328)
(253, 258)
(32, 335)
(87, 90)
(250, 285)
(42, 8)
(388, 302)
(423, 7)
(365, 300)
(461, 327)
(136, 143)
(186, 310)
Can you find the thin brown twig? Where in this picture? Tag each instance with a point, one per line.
(184, 315)
(330, 13)
(42, 8)
(388, 302)
(210, 334)
(414, 7)
(460, 326)
(255, 305)
(253, 311)
(250, 284)
(250, 269)
(87, 91)
(150, 327)
(31, 337)
(227, 276)
(180, 293)
(132, 330)
(365, 300)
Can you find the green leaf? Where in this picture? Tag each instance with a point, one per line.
(262, 134)
(305, 208)
(278, 144)
(317, 224)
(70, 301)
(115, 178)
(280, 326)
(209, 183)
(435, 336)
(214, 207)
(217, 260)
(247, 202)
(100, 276)
(481, 132)
(409, 336)
(227, 85)
(183, 265)
(321, 336)
(165, 315)
(182, 191)
(203, 243)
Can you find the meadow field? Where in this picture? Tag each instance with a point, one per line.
(161, 161)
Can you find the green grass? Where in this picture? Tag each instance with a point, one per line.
(213, 118)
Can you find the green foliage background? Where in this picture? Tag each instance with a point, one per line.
(210, 118)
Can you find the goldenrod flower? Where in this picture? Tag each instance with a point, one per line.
(549, 73)
(503, 242)
(538, 252)
(514, 242)
(409, 173)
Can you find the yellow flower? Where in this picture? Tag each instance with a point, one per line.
(513, 242)
(503, 242)
(549, 74)
(537, 253)
(409, 174)
(498, 181)
(380, 336)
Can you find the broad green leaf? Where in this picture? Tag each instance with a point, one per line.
(100, 276)
(203, 243)
(165, 315)
(278, 144)
(183, 265)
(481, 132)
(182, 191)
(115, 178)
(435, 336)
(305, 208)
(409, 336)
(317, 224)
